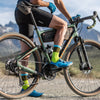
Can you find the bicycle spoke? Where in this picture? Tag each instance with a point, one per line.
(85, 80)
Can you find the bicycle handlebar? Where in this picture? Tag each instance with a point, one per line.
(93, 18)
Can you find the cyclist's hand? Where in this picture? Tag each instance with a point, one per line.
(74, 18)
(52, 7)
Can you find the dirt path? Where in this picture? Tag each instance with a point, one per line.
(56, 90)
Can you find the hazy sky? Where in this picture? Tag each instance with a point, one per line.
(82, 7)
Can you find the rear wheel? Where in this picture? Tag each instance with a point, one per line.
(10, 49)
(84, 82)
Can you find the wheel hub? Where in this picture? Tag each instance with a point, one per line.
(48, 73)
(85, 68)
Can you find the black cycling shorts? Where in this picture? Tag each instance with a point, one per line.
(25, 24)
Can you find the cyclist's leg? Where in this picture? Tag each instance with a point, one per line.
(46, 19)
(24, 62)
(25, 28)
(61, 27)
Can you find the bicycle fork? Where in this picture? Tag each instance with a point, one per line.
(83, 65)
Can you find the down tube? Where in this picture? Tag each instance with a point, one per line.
(42, 44)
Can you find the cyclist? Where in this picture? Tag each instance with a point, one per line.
(44, 19)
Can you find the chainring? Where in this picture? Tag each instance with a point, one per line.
(48, 73)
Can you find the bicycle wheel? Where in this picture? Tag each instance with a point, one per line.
(84, 82)
(10, 48)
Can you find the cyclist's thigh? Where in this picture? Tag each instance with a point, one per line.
(46, 19)
(23, 21)
(57, 22)
(42, 17)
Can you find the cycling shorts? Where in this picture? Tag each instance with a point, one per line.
(25, 24)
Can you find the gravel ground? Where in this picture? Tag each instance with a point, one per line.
(56, 89)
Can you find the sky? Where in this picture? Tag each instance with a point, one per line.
(74, 7)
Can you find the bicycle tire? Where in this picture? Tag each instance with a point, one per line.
(81, 84)
(8, 46)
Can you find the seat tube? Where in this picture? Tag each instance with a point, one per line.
(39, 36)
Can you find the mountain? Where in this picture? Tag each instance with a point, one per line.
(10, 27)
(90, 33)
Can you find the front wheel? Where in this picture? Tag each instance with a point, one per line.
(84, 82)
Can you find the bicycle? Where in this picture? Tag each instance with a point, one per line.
(84, 71)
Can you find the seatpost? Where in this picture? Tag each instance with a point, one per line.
(33, 20)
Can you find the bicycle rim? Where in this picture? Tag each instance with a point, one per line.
(10, 48)
(84, 82)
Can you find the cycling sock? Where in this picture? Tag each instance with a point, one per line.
(25, 80)
(55, 55)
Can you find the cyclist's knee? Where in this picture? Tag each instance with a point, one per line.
(58, 23)
(63, 26)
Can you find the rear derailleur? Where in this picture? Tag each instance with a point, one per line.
(11, 66)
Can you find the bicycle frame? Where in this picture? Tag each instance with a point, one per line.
(73, 34)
